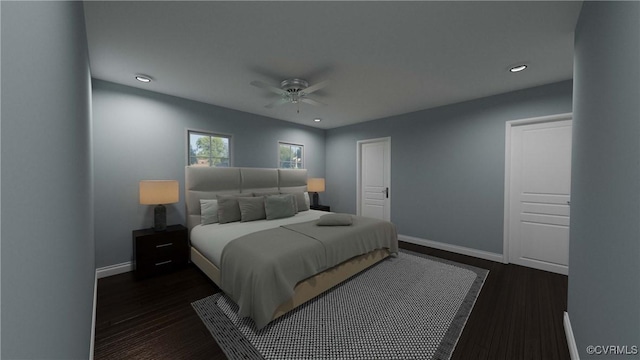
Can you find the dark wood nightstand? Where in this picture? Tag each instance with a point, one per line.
(320, 207)
(158, 252)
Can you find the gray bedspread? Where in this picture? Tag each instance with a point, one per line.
(260, 270)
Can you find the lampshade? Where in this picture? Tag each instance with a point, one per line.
(315, 185)
(155, 192)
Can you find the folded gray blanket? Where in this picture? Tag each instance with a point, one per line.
(260, 270)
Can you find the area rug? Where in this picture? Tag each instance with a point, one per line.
(412, 306)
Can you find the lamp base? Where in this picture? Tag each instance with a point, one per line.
(315, 199)
(160, 218)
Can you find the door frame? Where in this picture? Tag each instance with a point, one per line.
(387, 175)
(509, 125)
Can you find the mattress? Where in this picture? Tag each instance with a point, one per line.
(210, 239)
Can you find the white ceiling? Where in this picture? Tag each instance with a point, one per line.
(382, 58)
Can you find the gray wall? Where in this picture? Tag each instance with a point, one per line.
(447, 165)
(141, 135)
(604, 254)
(48, 268)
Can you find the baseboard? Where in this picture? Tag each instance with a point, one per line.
(114, 269)
(571, 341)
(453, 248)
(101, 273)
(93, 319)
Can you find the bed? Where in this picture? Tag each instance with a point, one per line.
(295, 258)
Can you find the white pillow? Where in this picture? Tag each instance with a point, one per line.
(306, 200)
(208, 211)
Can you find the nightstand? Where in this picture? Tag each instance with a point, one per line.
(157, 252)
(320, 207)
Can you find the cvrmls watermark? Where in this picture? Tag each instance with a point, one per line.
(612, 350)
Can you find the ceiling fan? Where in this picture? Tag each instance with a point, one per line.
(292, 91)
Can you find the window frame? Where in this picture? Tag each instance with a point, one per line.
(291, 143)
(229, 137)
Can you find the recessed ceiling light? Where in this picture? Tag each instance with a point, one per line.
(518, 68)
(317, 119)
(143, 78)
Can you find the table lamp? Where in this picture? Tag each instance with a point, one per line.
(315, 185)
(159, 192)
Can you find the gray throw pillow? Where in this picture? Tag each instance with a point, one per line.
(208, 211)
(251, 208)
(228, 208)
(279, 206)
(335, 220)
(302, 204)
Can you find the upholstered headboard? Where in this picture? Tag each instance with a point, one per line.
(203, 182)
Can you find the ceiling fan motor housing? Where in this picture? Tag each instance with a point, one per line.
(294, 85)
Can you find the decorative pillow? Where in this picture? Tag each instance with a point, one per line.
(294, 202)
(251, 208)
(335, 220)
(301, 204)
(279, 206)
(228, 208)
(208, 211)
(307, 201)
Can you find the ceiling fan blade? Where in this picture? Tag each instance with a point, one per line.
(315, 87)
(274, 89)
(277, 103)
(312, 102)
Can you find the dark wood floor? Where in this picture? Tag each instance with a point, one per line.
(518, 315)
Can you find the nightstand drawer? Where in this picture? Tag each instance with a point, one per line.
(147, 267)
(166, 249)
(152, 246)
(160, 252)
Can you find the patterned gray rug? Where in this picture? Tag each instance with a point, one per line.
(409, 307)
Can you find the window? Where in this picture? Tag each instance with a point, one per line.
(208, 149)
(291, 156)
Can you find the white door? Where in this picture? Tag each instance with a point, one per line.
(374, 177)
(539, 194)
